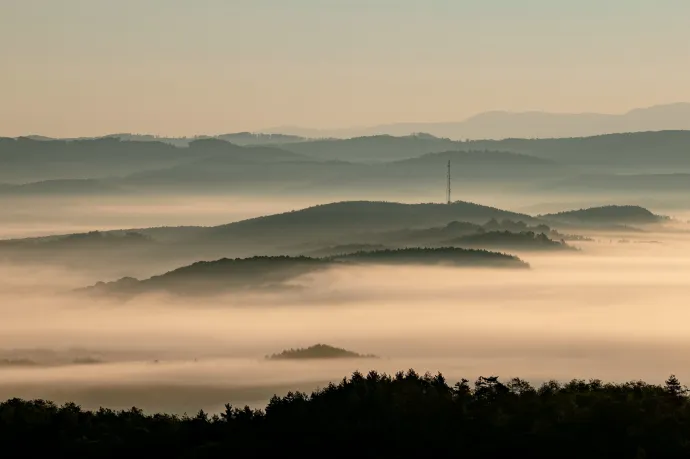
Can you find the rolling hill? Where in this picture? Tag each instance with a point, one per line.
(348, 219)
(25, 160)
(263, 272)
(449, 256)
(214, 277)
(655, 151)
(479, 165)
(371, 149)
(612, 163)
(608, 215)
(644, 152)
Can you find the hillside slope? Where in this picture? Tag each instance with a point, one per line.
(348, 218)
(231, 275)
(606, 215)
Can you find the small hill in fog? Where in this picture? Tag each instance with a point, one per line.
(611, 215)
(212, 277)
(526, 240)
(17, 363)
(318, 351)
(13, 358)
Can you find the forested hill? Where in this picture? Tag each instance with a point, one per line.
(606, 215)
(350, 217)
(225, 275)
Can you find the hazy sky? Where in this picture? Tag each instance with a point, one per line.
(185, 67)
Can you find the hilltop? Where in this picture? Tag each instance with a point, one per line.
(212, 277)
(609, 215)
(348, 219)
(318, 351)
(226, 275)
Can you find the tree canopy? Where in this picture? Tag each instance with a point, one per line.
(375, 415)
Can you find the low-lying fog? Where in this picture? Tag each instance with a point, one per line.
(32, 216)
(614, 311)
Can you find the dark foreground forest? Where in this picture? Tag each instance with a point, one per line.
(406, 415)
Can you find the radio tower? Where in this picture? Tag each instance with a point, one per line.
(448, 185)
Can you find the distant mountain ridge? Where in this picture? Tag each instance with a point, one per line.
(527, 124)
(25, 160)
(488, 125)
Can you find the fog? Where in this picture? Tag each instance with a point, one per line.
(32, 216)
(613, 310)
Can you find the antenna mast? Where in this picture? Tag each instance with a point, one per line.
(448, 186)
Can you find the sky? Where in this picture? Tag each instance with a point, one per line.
(190, 67)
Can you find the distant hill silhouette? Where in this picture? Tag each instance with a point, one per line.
(348, 218)
(506, 240)
(455, 229)
(441, 255)
(662, 151)
(45, 357)
(227, 275)
(90, 240)
(371, 149)
(152, 250)
(493, 235)
(474, 165)
(212, 277)
(646, 152)
(413, 164)
(477, 169)
(62, 187)
(238, 138)
(504, 124)
(606, 215)
(25, 160)
(318, 351)
(642, 184)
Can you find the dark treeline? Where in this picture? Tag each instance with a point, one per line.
(376, 415)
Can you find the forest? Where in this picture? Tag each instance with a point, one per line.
(403, 415)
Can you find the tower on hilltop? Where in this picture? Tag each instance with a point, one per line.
(448, 185)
